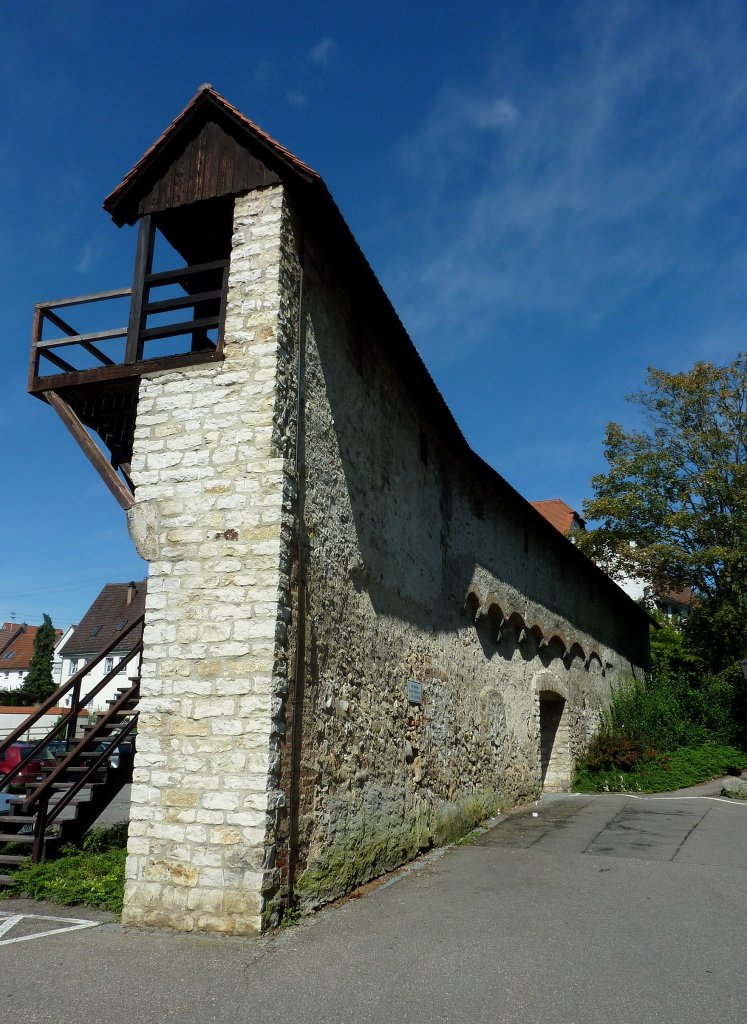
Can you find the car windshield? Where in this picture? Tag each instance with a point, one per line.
(45, 754)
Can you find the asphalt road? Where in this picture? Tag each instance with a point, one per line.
(602, 909)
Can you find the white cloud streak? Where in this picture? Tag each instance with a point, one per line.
(588, 186)
(324, 52)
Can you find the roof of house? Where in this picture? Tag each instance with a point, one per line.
(561, 516)
(8, 632)
(325, 221)
(106, 618)
(17, 650)
(684, 597)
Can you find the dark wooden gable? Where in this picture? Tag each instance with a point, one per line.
(211, 150)
(209, 164)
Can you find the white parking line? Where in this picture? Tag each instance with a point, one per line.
(70, 924)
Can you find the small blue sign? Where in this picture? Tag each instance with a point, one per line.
(414, 692)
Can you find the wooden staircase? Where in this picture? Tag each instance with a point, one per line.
(91, 768)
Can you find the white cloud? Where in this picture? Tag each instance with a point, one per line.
(264, 72)
(297, 98)
(578, 186)
(89, 255)
(324, 52)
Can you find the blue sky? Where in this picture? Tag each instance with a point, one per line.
(552, 194)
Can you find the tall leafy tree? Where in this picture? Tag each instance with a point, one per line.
(39, 684)
(672, 506)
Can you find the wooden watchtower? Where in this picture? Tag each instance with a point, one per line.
(182, 193)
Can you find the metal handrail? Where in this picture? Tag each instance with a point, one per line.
(70, 721)
(116, 740)
(73, 754)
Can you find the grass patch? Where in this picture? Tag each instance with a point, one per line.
(92, 876)
(469, 838)
(663, 772)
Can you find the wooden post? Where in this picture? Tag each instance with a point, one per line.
(40, 827)
(71, 728)
(143, 265)
(36, 333)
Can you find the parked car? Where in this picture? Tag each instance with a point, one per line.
(34, 771)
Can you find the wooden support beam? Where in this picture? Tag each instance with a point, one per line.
(91, 450)
(140, 290)
(120, 371)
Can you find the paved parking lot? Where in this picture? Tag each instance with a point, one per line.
(602, 909)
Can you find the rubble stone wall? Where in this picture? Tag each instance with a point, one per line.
(418, 570)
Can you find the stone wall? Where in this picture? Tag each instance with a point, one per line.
(417, 569)
(211, 516)
(287, 609)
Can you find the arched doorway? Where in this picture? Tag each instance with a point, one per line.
(555, 754)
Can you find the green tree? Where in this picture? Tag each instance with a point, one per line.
(38, 684)
(672, 506)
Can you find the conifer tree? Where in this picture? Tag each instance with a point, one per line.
(39, 683)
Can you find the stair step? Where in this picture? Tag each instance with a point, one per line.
(6, 880)
(17, 819)
(21, 837)
(11, 858)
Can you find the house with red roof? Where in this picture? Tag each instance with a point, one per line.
(16, 651)
(113, 609)
(560, 515)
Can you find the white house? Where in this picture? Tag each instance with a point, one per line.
(16, 651)
(114, 609)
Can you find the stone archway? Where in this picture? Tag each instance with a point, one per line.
(554, 742)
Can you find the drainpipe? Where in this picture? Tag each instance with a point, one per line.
(298, 675)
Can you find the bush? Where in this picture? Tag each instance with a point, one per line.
(613, 751)
(683, 767)
(92, 876)
(653, 732)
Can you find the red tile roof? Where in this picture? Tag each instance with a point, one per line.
(561, 516)
(8, 631)
(16, 655)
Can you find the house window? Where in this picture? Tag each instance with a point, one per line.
(73, 667)
(122, 667)
(108, 665)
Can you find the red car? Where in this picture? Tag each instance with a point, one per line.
(33, 771)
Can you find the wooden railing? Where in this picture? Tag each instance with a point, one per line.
(205, 287)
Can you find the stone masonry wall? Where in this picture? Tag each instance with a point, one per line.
(417, 571)
(211, 516)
